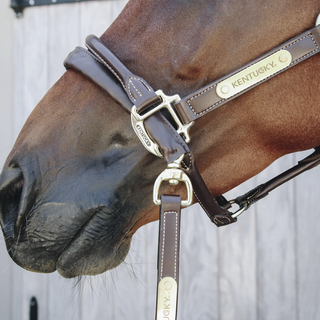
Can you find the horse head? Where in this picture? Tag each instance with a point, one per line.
(78, 183)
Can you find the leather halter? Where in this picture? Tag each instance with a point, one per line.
(160, 137)
(103, 68)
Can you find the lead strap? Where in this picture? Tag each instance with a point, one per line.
(168, 257)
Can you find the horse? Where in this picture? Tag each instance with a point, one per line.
(78, 183)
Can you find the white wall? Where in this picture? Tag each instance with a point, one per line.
(6, 137)
(263, 267)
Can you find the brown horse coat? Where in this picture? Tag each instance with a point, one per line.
(78, 183)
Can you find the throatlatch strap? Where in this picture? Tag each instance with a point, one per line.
(168, 257)
(263, 190)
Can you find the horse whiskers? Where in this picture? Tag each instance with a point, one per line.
(16, 244)
(129, 266)
(78, 282)
(98, 286)
(12, 251)
(26, 229)
(73, 293)
(4, 228)
(18, 237)
(9, 234)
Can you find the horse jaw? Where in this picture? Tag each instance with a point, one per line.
(89, 175)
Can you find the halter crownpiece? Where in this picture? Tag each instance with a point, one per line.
(163, 139)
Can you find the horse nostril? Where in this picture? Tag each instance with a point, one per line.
(11, 186)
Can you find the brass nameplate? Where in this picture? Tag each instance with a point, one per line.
(167, 299)
(254, 74)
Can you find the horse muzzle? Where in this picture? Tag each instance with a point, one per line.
(47, 227)
(17, 196)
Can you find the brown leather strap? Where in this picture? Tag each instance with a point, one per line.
(85, 63)
(169, 237)
(168, 256)
(217, 214)
(172, 145)
(206, 99)
(139, 91)
(263, 190)
(190, 108)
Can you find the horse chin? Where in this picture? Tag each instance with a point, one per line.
(78, 260)
(74, 260)
(72, 240)
(100, 245)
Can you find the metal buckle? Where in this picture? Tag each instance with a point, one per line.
(138, 125)
(240, 210)
(173, 174)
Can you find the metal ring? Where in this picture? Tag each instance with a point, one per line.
(240, 210)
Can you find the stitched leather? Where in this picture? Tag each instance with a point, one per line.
(189, 108)
(218, 215)
(206, 99)
(169, 237)
(171, 144)
(168, 254)
(263, 190)
(161, 131)
(83, 62)
(139, 91)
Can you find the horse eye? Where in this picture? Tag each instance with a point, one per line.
(119, 140)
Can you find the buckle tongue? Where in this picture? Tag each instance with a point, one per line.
(138, 125)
